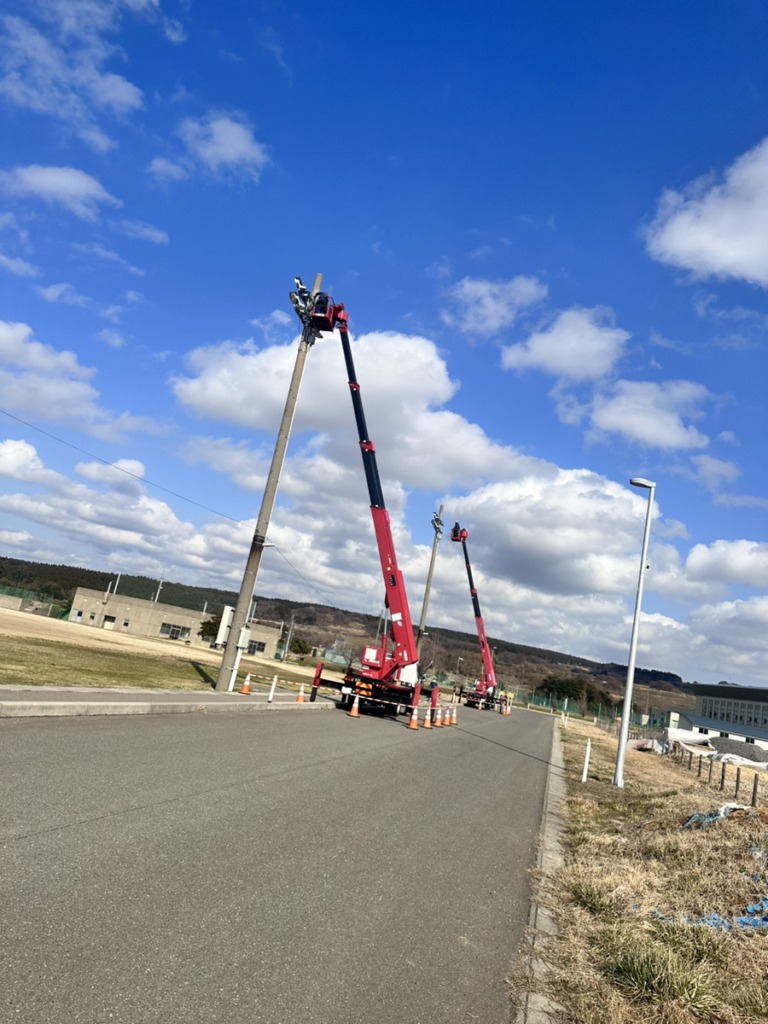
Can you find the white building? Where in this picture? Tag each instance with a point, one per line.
(138, 617)
(732, 712)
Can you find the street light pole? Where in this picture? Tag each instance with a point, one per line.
(618, 778)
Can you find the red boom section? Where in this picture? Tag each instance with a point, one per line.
(489, 676)
(404, 649)
(379, 664)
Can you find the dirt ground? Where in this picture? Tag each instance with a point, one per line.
(23, 624)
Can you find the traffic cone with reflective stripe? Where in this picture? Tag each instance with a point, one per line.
(427, 723)
(354, 711)
(453, 715)
(246, 687)
(414, 722)
(300, 695)
(438, 718)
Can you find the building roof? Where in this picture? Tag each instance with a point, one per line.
(729, 691)
(714, 725)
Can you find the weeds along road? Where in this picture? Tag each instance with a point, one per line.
(285, 869)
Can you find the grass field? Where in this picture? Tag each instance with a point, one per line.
(648, 910)
(42, 661)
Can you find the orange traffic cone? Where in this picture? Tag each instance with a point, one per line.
(438, 717)
(354, 711)
(453, 715)
(246, 687)
(427, 723)
(414, 722)
(300, 696)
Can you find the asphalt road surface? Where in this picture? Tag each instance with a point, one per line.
(284, 869)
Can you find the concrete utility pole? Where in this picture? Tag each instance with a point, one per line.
(437, 526)
(239, 633)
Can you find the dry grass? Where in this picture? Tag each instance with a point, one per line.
(633, 887)
(33, 661)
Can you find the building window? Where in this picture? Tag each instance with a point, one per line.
(256, 646)
(125, 623)
(78, 614)
(725, 735)
(92, 616)
(173, 631)
(703, 730)
(749, 739)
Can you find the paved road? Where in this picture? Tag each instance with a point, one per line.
(284, 869)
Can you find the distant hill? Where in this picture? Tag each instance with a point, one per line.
(443, 650)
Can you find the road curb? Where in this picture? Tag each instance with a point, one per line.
(68, 709)
(535, 1007)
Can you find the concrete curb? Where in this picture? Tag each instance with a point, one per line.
(69, 708)
(537, 1008)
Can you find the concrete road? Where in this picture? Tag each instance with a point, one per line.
(310, 869)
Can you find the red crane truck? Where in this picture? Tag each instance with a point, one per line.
(387, 678)
(484, 693)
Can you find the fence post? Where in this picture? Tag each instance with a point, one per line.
(722, 777)
(586, 760)
(754, 790)
(690, 759)
(709, 777)
(698, 770)
(738, 782)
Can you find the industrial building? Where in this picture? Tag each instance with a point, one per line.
(137, 617)
(729, 711)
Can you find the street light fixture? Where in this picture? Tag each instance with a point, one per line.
(626, 711)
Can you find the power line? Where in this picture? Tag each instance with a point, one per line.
(160, 487)
(120, 469)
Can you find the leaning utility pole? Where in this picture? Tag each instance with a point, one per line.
(239, 634)
(437, 526)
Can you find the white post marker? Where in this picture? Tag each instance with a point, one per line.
(586, 761)
(272, 689)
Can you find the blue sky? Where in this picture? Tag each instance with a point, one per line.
(548, 225)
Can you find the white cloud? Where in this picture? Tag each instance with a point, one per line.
(731, 639)
(76, 191)
(714, 473)
(717, 228)
(166, 170)
(276, 326)
(144, 232)
(39, 381)
(94, 250)
(580, 345)
(742, 562)
(479, 306)
(17, 348)
(19, 267)
(112, 338)
(651, 414)
(222, 142)
(19, 461)
(64, 293)
(55, 62)
(244, 385)
(174, 31)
